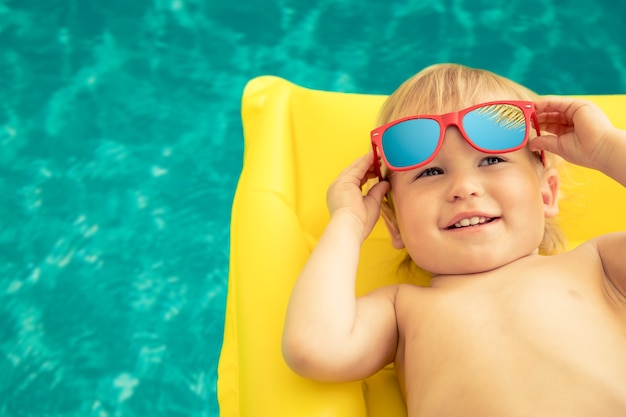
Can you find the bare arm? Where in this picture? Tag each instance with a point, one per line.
(611, 249)
(329, 334)
(583, 134)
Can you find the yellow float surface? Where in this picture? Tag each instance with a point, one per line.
(297, 140)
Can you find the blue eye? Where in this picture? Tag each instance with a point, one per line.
(491, 160)
(430, 172)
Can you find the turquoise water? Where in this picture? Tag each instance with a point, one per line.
(121, 146)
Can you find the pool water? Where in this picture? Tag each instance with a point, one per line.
(121, 145)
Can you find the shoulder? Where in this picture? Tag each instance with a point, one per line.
(398, 294)
(601, 262)
(411, 300)
(611, 249)
(610, 242)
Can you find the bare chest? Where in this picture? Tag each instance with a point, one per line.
(503, 346)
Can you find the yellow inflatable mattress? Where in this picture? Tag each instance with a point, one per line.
(296, 142)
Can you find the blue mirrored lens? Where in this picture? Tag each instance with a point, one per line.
(410, 142)
(497, 127)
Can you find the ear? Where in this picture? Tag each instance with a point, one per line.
(388, 213)
(394, 231)
(550, 192)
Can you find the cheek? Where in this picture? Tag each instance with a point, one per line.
(417, 223)
(526, 193)
(415, 209)
(523, 202)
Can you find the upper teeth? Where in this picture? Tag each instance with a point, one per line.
(472, 221)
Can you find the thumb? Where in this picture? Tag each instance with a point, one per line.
(548, 143)
(378, 191)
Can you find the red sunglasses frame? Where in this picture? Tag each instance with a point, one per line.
(453, 119)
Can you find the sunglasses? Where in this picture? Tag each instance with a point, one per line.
(494, 127)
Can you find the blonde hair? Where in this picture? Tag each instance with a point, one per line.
(446, 87)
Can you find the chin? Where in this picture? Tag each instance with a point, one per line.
(475, 265)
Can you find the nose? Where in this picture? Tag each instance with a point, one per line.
(463, 177)
(463, 185)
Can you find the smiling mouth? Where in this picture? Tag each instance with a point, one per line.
(471, 222)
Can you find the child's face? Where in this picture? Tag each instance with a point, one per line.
(504, 194)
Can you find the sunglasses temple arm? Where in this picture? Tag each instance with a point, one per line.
(536, 123)
(377, 163)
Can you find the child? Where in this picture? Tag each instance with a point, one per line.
(501, 331)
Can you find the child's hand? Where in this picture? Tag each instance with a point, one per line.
(580, 131)
(345, 194)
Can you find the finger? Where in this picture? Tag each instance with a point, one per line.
(556, 126)
(545, 143)
(570, 110)
(365, 163)
(357, 169)
(365, 169)
(378, 191)
(552, 118)
(554, 104)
